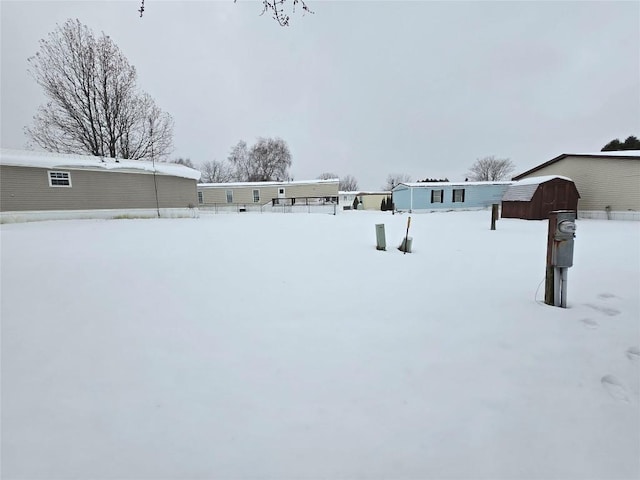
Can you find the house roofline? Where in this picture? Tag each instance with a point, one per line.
(583, 155)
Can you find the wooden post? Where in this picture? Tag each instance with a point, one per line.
(406, 237)
(494, 215)
(549, 272)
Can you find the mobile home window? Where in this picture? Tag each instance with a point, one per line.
(59, 179)
(458, 194)
(229, 196)
(436, 196)
(200, 199)
(256, 196)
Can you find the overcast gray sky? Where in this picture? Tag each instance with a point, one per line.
(362, 88)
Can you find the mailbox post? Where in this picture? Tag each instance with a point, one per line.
(562, 228)
(381, 242)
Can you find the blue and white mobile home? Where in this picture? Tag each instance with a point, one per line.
(432, 196)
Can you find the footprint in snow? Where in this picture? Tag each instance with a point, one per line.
(633, 353)
(606, 310)
(607, 295)
(589, 323)
(614, 388)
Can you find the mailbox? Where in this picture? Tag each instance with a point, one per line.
(562, 252)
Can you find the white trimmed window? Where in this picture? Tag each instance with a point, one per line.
(229, 196)
(59, 179)
(436, 196)
(256, 196)
(200, 198)
(458, 195)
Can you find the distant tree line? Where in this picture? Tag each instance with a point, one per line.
(631, 143)
(433, 180)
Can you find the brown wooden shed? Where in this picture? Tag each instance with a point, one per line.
(533, 198)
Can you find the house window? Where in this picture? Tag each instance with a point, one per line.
(229, 196)
(59, 179)
(200, 199)
(281, 191)
(436, 196)
(458, 195)
(256, 196)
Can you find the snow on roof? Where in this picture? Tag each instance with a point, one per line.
(615, 153)
(539, 180)
(523, 190)
(29, 158)
(520, 193)
(267, 184)
(452, 184)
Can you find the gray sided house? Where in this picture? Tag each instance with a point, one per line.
(533, 198)
(608, 182)
(43, 185)
(294, 196)
(434, 196)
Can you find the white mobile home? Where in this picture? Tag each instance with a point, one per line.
(303, 196)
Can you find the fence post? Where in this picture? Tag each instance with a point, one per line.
(494, 215)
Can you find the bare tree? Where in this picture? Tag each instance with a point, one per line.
(490, 169)
(268, 159)
(348, 183)
(216, 172)
(240, 161)
(274, 7)
(327, 176)
(184, 161)
(394, 179)
(94, 104)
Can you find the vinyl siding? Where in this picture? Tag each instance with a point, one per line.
(27, 188)
(244, 194)
(600, 181)
(475, 196)
(372, 201)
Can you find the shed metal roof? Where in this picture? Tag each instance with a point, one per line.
(524, 190)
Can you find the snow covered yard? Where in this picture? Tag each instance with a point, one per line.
(286, 346)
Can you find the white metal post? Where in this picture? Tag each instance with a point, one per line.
(563, 295)
(557, 279)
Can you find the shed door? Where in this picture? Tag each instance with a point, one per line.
(281, 193)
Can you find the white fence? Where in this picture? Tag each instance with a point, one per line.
(281, 205)
(610, 215)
